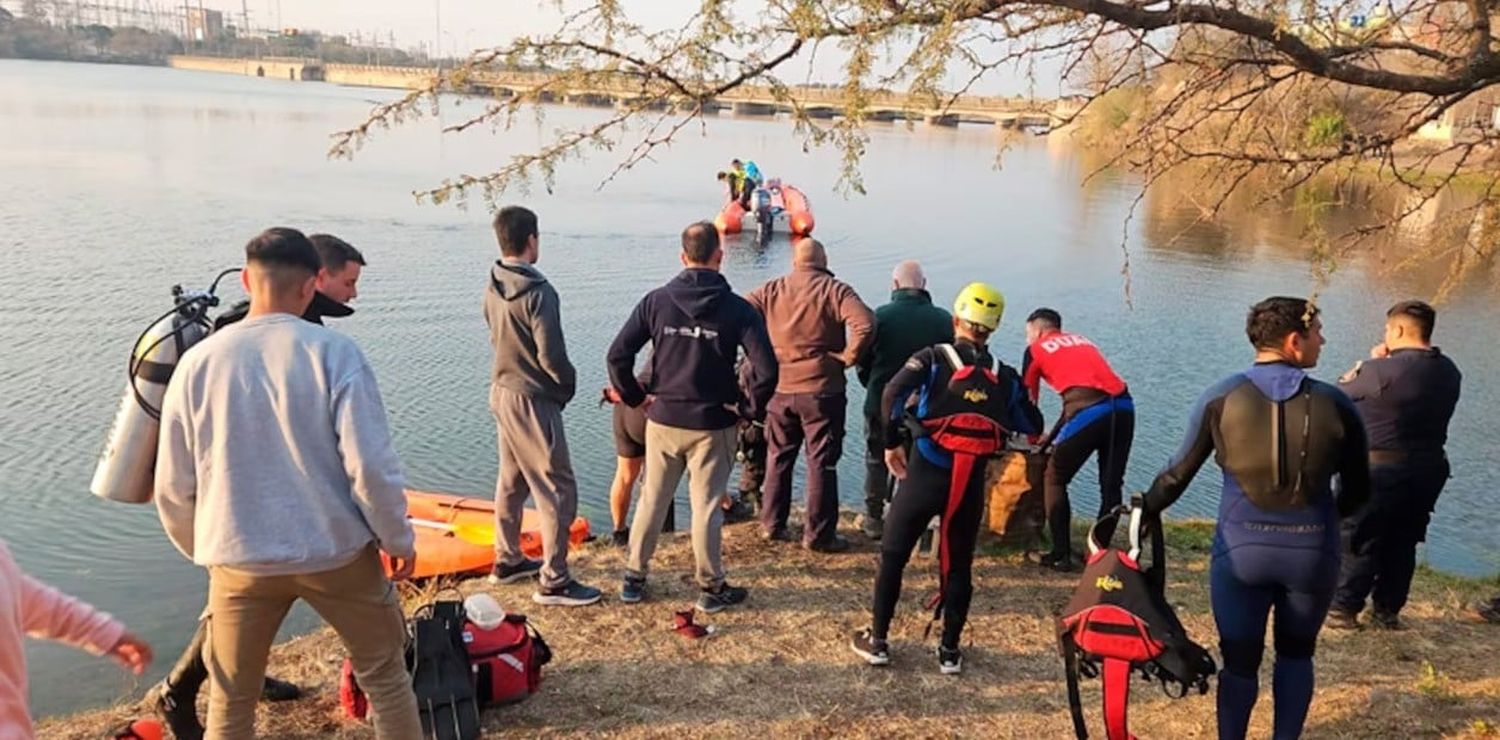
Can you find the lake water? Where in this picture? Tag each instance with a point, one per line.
(117, 182)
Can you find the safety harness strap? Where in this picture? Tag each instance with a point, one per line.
(963, 465)
(1116, 698)
(1070, 669)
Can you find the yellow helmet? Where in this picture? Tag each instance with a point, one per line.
(980, 304)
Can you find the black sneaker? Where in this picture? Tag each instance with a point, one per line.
(620, 538)
(1383, 620)
(571, 593)
(527, 568)
(179, 714)
(738, 512)
(276, 689)
(1061, 562)
(833, 545)
(725, 596)
(872, 525)
(1341, 619)
(875, 652)
(632, 590)
(779, 534)
(950, 662)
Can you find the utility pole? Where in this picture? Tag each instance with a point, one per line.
(437, 12)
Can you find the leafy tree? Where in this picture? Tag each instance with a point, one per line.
(1233, 89)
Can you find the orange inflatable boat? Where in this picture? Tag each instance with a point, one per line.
(456, 534)
(789, 210)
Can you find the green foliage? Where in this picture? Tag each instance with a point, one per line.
(1325, 129)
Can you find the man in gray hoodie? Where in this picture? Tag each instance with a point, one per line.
(275, 471)
(532, 380)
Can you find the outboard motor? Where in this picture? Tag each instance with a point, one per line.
(126, 470)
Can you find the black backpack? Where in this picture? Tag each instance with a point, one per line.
(440, 674)
(1119, 622)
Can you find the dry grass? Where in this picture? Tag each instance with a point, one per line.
(780, 666)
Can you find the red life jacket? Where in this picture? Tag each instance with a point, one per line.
(1119, 619)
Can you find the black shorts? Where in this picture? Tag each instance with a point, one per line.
(630, 431)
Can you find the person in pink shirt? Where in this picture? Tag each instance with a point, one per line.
(30, 608)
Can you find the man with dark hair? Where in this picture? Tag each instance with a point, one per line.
(819, 327)
(276, 471)
(1280, 437)
(908, 323)
(1098, 419)
(175, 698)
(696, 326)
(532, 379)
(338, 278)
(1406, 392)
(336, 285)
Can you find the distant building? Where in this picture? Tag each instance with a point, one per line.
(204, 25)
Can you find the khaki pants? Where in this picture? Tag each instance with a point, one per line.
(534, 462)
(706, 458)
(356, 600)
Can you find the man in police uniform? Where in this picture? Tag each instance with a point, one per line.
(1406, 394)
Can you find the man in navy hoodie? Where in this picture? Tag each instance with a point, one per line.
(696, 326)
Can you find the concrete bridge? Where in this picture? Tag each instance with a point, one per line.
(619, 90)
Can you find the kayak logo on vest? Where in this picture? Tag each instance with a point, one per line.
(1108, 583)
(976, 395)
(691, 332)
(1055, 343)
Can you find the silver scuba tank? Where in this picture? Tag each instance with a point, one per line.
(126, 470)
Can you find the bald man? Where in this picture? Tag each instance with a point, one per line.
(819, 327)
(902, 327)
(1406, 393)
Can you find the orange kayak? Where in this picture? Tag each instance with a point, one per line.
(440, 549)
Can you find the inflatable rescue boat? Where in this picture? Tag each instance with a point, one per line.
(456, 534)
(785, 208)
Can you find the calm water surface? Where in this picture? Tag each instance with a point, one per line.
(116, 182)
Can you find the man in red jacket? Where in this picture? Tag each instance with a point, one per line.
(1098, 417)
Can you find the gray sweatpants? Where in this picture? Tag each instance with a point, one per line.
(533, 462)
(706, 457)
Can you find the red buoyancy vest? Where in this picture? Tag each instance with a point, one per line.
(1069, 361)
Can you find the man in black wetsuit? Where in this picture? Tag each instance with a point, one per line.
(1280, 437)
(175, 698)
(1406, 393)
(954, 383)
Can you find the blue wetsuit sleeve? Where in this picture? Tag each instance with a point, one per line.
(1354, 462)
(1196, 447)
(1362, 382)
(621, 357)
(905, 382)
(1023, 415)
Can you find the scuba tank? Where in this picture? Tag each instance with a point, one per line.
(126, 469)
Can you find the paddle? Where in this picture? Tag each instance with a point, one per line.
(475, 534)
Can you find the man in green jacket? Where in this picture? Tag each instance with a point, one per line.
(902, 327)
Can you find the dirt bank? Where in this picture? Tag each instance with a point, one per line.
(781, 665)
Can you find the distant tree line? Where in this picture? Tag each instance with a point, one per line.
(32, 38)
(33, 35)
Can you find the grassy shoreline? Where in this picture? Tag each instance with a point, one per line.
(780, 666)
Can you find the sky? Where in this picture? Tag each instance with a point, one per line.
(469, 24)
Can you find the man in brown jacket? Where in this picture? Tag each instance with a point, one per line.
(819, 327)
